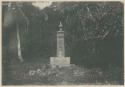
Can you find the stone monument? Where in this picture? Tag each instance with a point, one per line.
(60, 60)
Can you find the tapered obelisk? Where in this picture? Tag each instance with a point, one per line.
(60, 41)
(60, 60)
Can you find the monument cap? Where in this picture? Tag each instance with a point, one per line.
(60, 25)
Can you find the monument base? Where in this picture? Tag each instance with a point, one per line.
(60, 61)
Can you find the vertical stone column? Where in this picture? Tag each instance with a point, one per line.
(60, 44)
(60, 60)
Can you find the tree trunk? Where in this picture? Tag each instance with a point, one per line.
(18, 45)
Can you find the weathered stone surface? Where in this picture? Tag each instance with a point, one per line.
(60, 60)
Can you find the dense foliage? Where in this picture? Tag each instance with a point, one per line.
(93, 32)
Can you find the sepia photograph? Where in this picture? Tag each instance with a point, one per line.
(62, 43)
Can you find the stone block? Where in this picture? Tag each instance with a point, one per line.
(60, 61)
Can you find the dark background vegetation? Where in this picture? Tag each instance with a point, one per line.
(93, 34)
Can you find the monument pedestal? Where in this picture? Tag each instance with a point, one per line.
(60, 61)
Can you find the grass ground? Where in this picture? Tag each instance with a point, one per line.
(44, 74)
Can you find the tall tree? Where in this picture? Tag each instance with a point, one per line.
(18, 45)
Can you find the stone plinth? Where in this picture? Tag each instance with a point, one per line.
(60, 61)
